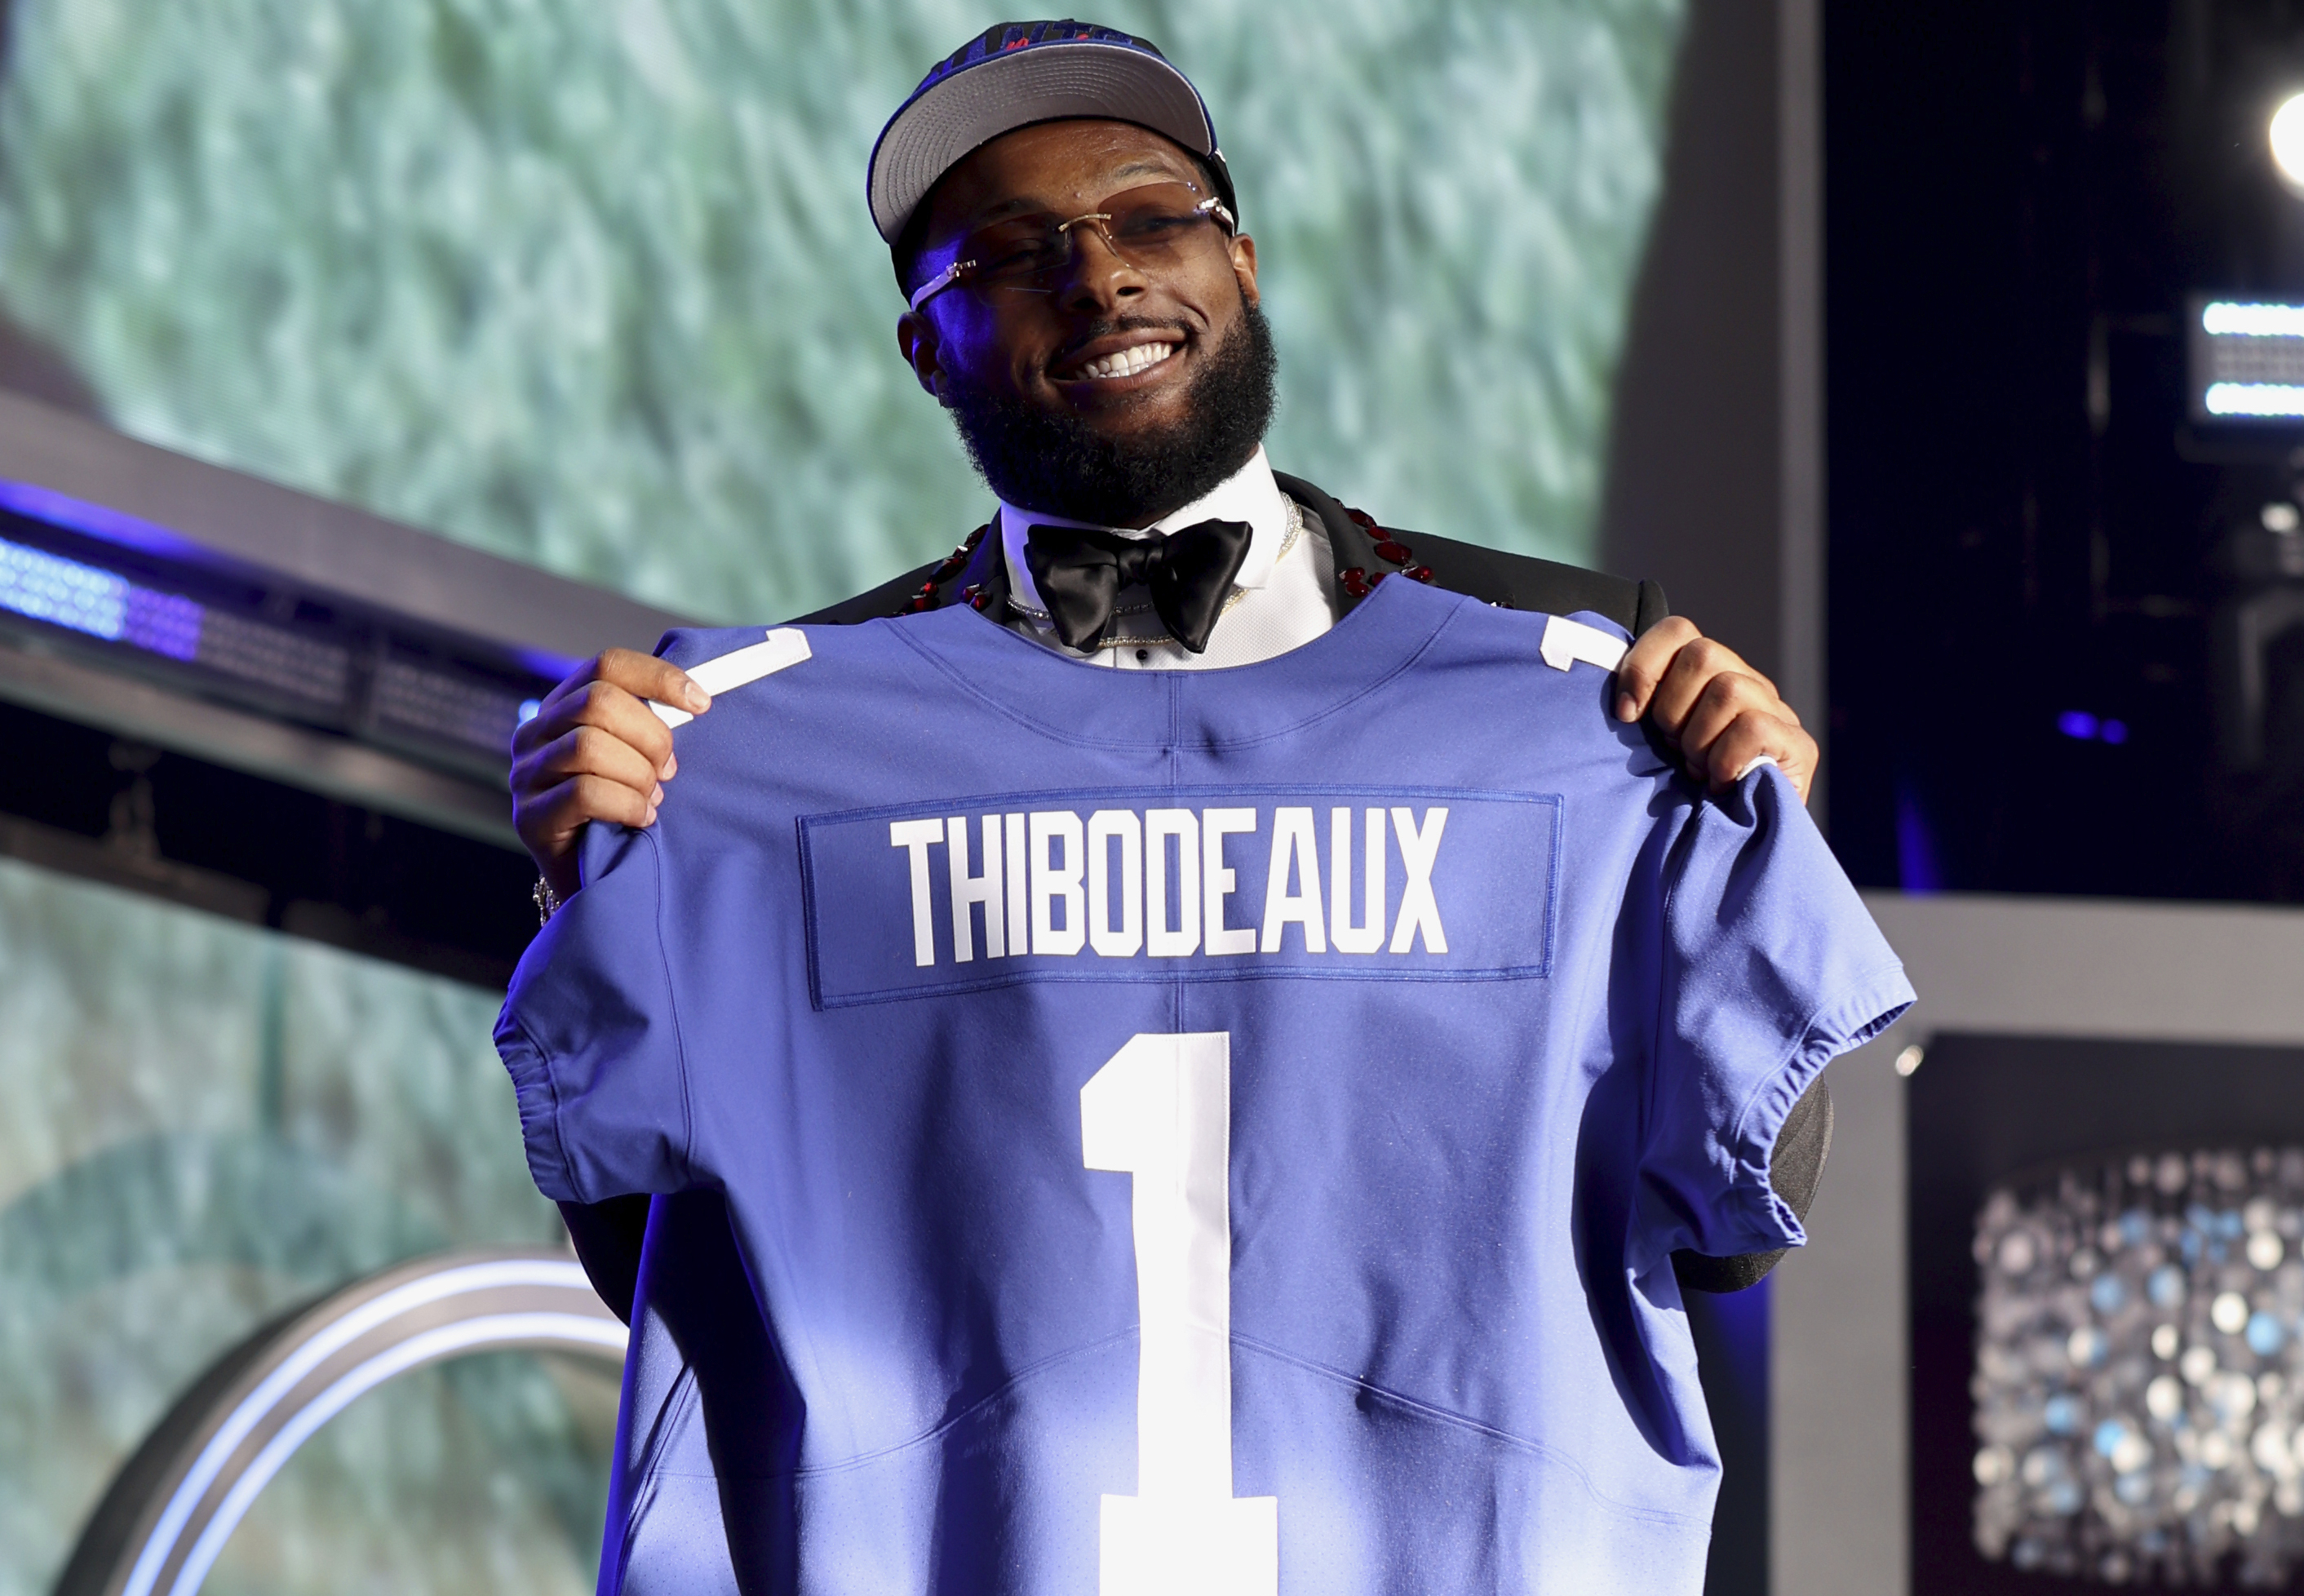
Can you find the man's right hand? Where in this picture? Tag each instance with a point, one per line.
(594, 750)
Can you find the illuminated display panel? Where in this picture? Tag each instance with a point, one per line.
(2247, 362)
(263, 645)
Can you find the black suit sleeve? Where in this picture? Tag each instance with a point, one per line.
(886, 599)
(608, 1237)
(1794, 1170)
(1649, 609)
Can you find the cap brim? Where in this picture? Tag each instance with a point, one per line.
(1045, 83)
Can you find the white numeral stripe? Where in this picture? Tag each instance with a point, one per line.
(1161, 1111)
(780, 649)
(1567, 644)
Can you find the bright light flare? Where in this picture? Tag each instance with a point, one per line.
(2226, 320)
(2255, 399)
(2288, 140)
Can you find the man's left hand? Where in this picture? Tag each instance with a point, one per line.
(1717, 712)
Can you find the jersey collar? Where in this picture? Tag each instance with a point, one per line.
(1071, 701)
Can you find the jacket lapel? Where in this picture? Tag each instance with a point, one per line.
(1365, 552)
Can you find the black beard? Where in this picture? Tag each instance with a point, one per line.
(1055, 462)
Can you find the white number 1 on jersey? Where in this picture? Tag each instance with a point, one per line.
(1161, 1111)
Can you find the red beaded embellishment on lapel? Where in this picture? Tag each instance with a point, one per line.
(1358, 582)
(951, 566)
(1388, 546)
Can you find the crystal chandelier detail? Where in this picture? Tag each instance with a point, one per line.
(2140, 1377)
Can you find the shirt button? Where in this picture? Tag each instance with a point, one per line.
(1143, 655)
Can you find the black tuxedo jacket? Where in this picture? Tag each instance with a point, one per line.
(608, 1235)
(1364, 554)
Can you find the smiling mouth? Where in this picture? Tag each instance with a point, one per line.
(1124, 362)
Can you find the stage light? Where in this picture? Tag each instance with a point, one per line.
(2224, 319)
(2288, 140)
(88, 599)
(2256, 399)
(2246, 358)
(2084, 727)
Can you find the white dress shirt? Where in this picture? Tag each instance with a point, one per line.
(1285, 596)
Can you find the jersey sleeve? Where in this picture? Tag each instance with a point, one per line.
(591, 1036)
(1770, 968)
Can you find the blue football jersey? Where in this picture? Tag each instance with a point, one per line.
(1216, 1131)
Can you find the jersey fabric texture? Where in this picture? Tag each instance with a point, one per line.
(1231, 1124)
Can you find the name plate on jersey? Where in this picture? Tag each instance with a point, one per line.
(1402, 884)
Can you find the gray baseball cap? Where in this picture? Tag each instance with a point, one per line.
(1018, 73)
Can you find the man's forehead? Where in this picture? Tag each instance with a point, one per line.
(1052, 164)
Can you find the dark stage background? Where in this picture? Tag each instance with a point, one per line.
(2029, 543)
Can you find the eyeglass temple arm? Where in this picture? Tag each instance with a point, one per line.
(940, 282)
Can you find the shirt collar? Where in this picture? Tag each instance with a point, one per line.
(1250, 494)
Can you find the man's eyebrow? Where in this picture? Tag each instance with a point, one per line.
(1007, 207)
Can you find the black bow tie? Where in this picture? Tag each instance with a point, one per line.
(1080, 571)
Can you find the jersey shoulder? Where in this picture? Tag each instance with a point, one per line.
(737, 656)
(690, 646)
(1558, 667)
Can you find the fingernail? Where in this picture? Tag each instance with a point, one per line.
(1625, 708)
(699, 701)
(671, 765)
(656, 797)
(651, 816)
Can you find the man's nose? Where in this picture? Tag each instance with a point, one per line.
(1097, 276)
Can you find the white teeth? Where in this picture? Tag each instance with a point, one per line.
(1128, 362)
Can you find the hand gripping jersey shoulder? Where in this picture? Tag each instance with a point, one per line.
(1217, 1130)
(782, 648)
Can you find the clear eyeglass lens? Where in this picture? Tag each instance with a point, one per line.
(1149, 227)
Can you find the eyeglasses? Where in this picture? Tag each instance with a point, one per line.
(1151, 228)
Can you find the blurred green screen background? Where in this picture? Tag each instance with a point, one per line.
(591, 283)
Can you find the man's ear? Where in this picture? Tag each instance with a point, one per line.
(1243, 266)
(923, 350)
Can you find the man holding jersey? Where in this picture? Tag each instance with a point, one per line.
(1083, 301)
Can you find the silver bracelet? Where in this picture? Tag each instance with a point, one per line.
(546, 901)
